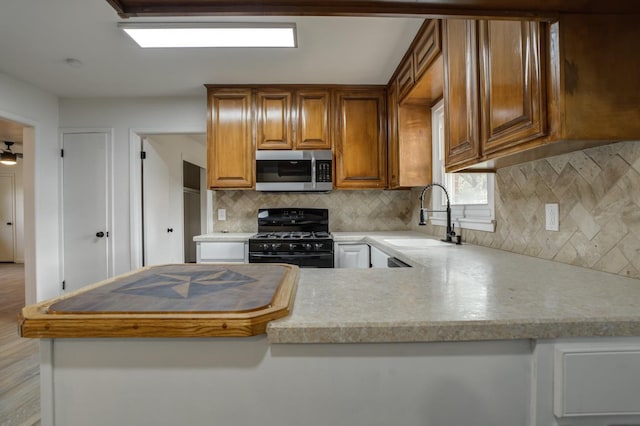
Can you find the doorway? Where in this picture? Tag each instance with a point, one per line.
(12, 194)
(7, 214)
(173, 205)
(193, 181)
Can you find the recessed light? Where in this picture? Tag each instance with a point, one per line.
(164, 34)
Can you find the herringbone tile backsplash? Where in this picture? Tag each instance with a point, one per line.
(598, 191)
(348, 210)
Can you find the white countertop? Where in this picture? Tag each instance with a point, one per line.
(223, 236)
(456, 293)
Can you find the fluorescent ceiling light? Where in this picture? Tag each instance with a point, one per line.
(185, 34)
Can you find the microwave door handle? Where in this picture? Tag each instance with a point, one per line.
(313, 172)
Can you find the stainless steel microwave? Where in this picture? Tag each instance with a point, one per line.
(296, 171)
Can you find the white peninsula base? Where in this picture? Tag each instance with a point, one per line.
(247, 381)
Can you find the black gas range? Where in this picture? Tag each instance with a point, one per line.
(296, 236)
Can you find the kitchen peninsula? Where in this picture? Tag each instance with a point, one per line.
(468, 335)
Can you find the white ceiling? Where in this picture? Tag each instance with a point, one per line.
(37, 36)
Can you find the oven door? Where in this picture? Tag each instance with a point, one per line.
(303, 260)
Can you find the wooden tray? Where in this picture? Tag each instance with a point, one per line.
(184, 300)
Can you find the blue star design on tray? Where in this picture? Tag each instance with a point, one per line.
(184, 285)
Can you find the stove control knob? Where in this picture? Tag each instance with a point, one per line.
(307, 246)
(275, 246)
(318, 246)
(265, 246)
(292, 246)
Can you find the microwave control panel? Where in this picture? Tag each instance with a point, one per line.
(323, 170)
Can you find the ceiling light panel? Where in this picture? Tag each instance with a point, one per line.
(158, 35)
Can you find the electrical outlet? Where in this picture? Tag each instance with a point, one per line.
(552, 220)
(222, 214)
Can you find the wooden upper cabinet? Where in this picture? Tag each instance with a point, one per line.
(229, 139)
(405, 78)
(361, 139)
(417, 86)
(409, 144)
(426, 47)
(546, 88)
(512, 90)
(274, 123)
(462, 127)
(412, 84)
(595, 77)
(313, 108)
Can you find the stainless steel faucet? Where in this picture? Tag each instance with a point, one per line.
(451, 234)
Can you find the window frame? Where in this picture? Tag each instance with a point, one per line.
(480, 217)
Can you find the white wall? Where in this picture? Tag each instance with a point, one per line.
(31, 106)
(129, 116)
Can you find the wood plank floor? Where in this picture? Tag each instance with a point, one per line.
(19, 358)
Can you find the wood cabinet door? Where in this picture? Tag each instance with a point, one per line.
(512, 90)
(462, 130)
(361, 139)
(426, 48)
(313, 113)
(393, 145)
(229, 139)
(405, 79)
(274, 129)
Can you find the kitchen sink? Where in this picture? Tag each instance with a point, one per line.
(415, 242)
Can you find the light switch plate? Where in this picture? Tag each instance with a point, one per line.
(222, 214)
(552, 220)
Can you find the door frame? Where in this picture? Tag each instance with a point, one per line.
(110, 195)
(13, 211)
(31, 132)
(135, 188)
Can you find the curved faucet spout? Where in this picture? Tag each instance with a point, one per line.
(423, 217)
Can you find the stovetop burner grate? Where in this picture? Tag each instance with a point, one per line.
(291, 235)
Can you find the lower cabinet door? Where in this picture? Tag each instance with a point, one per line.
(379, 259)
(225, 252)
(352, 256)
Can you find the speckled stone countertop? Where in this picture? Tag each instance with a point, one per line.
(456, 293)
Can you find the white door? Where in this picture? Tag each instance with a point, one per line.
(85, 209)
(162, 204)
(7, 223)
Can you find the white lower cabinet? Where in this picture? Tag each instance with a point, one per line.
(587, 382)
(349, 255)
(379, 259)
(596, 381)
(222, 251)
